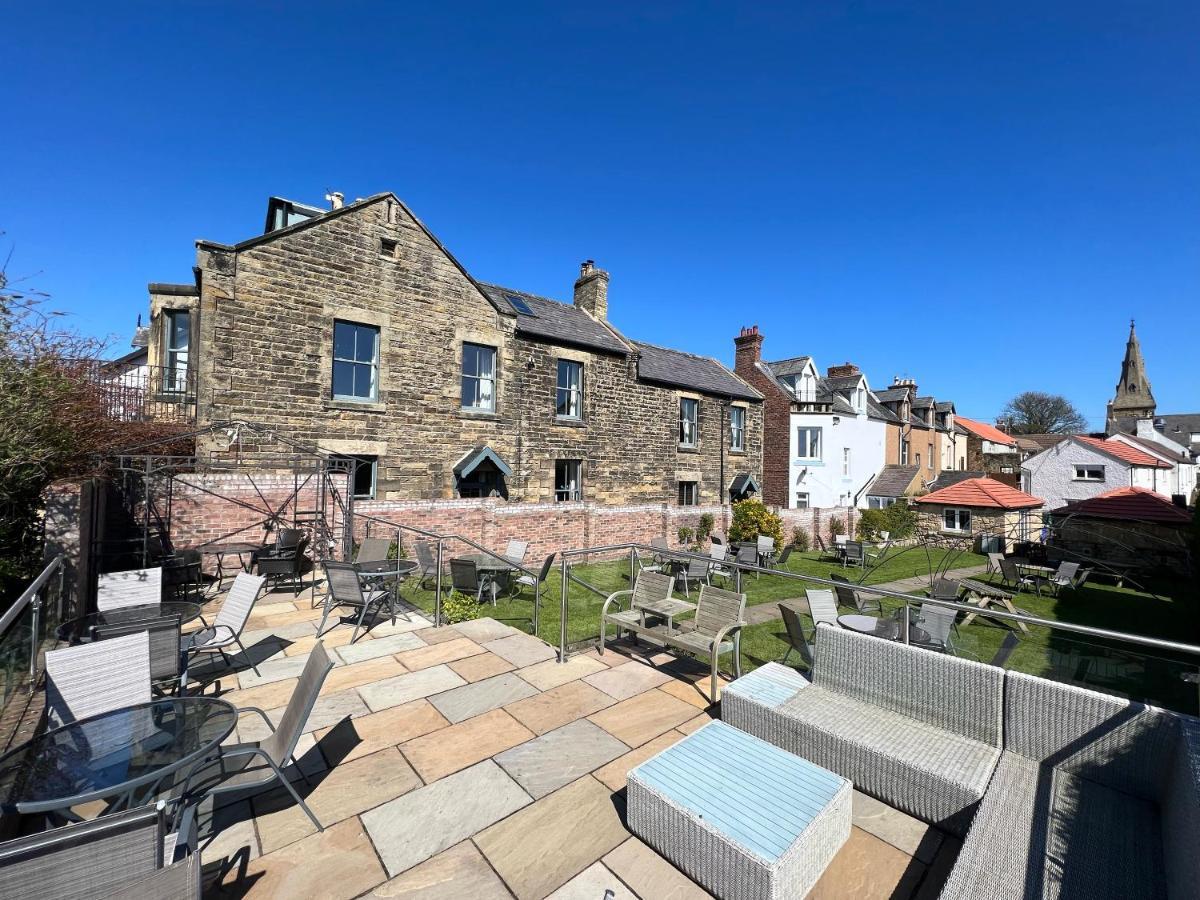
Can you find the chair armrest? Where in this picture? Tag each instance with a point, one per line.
(614, 596)
(726, 631)
(255, 709)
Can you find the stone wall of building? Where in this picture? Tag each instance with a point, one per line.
(267, 316)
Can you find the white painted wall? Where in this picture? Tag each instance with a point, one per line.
(822, 479)
(1051, 474)
(1182, 478)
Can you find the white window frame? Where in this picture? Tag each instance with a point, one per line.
(371, 365)
(903, 452)
(737, 429)
(802, 500)
(846, 462)
(175, 358)
(483, 382)
(805, 443)
(568, 397)
(956, 520)
(689, 426)
(1086, 469)
(568, 487)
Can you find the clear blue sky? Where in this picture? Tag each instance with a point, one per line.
(976, 195)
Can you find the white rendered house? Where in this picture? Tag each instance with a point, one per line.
(1079, 467)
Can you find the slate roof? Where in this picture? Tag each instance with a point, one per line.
(700, 373)
(984, 430)
(1135, 504)
(843, 382)
(892, 395)
(982, 493)
(556, 321)
(877, 410)
(1045, 441)
(793, 366)
(946, 479)
(1179, 427)
(1160, 449)
(893, 481)
(943, 406)
(1123, 452)
(922, 403)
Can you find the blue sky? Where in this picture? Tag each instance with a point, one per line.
(978, 196)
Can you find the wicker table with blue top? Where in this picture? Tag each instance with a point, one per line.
(742, 818)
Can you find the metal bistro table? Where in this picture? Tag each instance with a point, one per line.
(220, 551)
(125, 756)
(381, 570)
(888, 629)
(495, 569)
(79, 630)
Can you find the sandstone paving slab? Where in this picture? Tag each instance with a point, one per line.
(346, 790)
(407, 620)
(328, 710)
(276, 620)
(481, 666)
(456, 747)
(342, 678)
(902, 831)
(627, 680)
(552, 673)
(521, 649)
(264, 696)
(435, 635)
(650, 875)
(336, 864)
(580, 822)
(559, 706)
(693, 692)
(695, 724)
(460, 873)
(614, 774)
(481, 630)
(608, 660)
(410, 686)
(294, 632)
(376, 647)
(597, 880)
(470, 700)
(367, 734)
(559, 757)
(870, 869)
(421, 824)
(439, 654)
(638, 719)
(272, 670)
(334, 637)
(226, 831)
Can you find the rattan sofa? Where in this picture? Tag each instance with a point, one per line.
(1060, 791)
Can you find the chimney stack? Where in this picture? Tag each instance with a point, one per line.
(336, 199)
(848, 368)
(591, 290)
(747, 350)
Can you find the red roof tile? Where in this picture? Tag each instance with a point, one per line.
(985, 431)
(1135, 504)
(986, 493)
(1124, 452)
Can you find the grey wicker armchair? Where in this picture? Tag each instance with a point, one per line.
(231, 621)
(135, 587)
(168, 668)
(254, 766)
(91, 679)
(119, 855)
(345, 589)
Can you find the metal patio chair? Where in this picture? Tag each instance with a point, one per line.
(718, 568)
(853, 554)
(863, 603)
(254, 766)
(766, 550)
(993, 563)
(688, 570)
(532, 581)
(781, 563)
(796, 638)
(286, 563)
(227, 628)
(118, 855)
(373, 550)
(345, 589)
(658, 560)
(939, 623)
(168, 666)
(747, 555)
(822, 607)
(466, 578)
(134, 587)
(516, 550)
(426, 562)
(92, 679)
(1012, 577)
(1064, 577)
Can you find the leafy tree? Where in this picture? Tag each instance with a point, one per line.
(1035, 412)
(751, 518)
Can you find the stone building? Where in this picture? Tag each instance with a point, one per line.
(355, 331)
(1133, 398)
(985, 448)
(978, 508)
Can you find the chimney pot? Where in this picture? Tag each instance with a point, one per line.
(336, 199)
(747, 349)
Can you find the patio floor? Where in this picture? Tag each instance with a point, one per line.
(466, 761)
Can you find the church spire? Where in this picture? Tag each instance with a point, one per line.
(1133, 398)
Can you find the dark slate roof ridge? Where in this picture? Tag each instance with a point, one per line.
(749, 392)
(580, 328)
(765, 369)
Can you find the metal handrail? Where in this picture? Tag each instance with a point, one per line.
(992, 612)
(32, 597)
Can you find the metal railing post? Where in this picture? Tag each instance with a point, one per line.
(36, 611)
(632, 565)
(905, 611)
(437, 601)
(737, 577)
(537, 602)
(562, 636)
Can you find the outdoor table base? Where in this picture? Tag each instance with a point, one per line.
(983, 596)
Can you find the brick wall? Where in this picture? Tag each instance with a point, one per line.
(776, 418)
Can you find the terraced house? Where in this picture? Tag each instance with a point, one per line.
(354, 330)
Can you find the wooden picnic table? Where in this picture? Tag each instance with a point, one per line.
(984, 595)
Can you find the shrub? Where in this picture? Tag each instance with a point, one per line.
(870, 523)
(800, 539)
(460, 608)
(836, 526)
(751, 518)
(899, 520)
(706, 526)
(685, 535)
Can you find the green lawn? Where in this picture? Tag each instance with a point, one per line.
(1116, 668)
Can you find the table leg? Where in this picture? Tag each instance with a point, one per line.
(1012, 609)
(975, 600)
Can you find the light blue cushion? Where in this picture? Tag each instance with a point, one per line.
(769, 686)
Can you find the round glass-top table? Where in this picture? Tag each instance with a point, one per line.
(889, 629)
(80, 629)
(118, 754)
